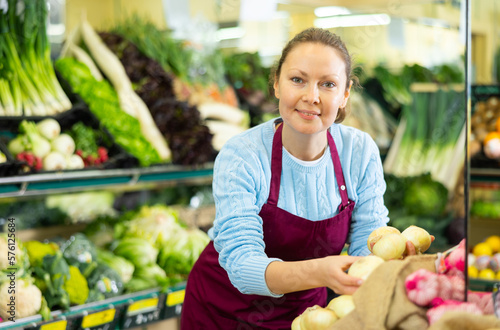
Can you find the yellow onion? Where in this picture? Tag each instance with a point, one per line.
(342, 305)
(317, 318)
(378, 233)
(296, 323)
(391, 246)
(363, 267)
(419, 237)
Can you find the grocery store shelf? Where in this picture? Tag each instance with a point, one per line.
(482, 285)
(480, 176)
(67, 181)
(123, 312)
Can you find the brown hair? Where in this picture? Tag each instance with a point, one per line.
(324, 37)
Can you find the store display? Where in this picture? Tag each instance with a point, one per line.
(145, 110)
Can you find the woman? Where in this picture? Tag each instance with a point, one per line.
(289, 194)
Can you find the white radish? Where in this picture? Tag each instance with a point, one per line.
(130, 102)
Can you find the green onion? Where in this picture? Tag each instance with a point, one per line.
(28, 85)
(429, 138)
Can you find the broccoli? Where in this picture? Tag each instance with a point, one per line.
(105, 280)
(76, 286)
(37, 250)
(79, 251)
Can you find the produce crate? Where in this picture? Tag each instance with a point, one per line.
(118, 157)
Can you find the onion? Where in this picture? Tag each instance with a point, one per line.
(54, 161)
(17, 145)
(342, 305)
(296, 323)
(419, 237)
(74, 162)
(391, 246)
(378, 233)
(64, 144)
(317, 318)
(49, 128)
(363, 267)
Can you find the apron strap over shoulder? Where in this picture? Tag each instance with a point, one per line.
(276, 165)
(337, 167)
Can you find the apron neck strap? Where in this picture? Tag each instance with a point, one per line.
(276, 166)
(337, 167)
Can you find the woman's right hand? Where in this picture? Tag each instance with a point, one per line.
(334, 274)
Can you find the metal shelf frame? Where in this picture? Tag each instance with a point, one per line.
(68, 181)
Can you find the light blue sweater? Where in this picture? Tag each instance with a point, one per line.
(242, 173)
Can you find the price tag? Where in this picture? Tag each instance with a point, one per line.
(176, 298)
(99, 318)
(141, 313)
(57, 325)
(142, 306)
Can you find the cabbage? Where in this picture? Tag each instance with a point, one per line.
(122, 266)
(137, 250)
(156, 224)
(178, 255)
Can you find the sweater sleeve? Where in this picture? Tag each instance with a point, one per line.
(370, 212)
(239, 174)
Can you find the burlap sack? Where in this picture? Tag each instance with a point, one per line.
(381, 302)
(465, 321)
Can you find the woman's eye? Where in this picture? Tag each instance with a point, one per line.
(297, 80)
(329, 84)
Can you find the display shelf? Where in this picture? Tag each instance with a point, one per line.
(123, 312)
(481, 285)
(479, 176)
(66, 181)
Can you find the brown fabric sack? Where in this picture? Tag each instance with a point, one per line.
(454, 320)
(381, 301)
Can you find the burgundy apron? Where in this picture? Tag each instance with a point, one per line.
(212, 302)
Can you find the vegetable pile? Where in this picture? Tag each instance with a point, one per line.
(43, 146)
(430, 137)
(103, 101)
(28, 84)
(180, 123)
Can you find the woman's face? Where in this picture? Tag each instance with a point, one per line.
(311, 87)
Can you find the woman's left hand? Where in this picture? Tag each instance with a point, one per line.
(410, 248)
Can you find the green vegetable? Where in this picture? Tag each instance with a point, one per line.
(485, 209)
(431, 128)
(38, 250)
(28, 84)
(79, 251)
(137, 250)
(103, 101)
(76, 286)
(85, 139)
(179, 253)
(50, 277)
(156, 224)
(154, 274)
(121, 265)
(138, 284)
(105, 280)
